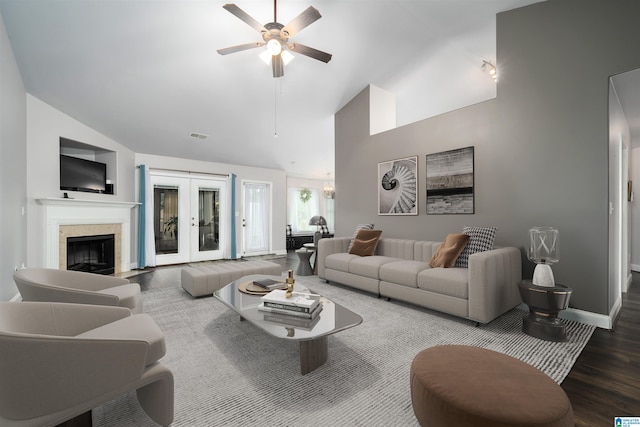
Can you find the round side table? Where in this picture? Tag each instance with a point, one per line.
(544, 305)
(304, 266)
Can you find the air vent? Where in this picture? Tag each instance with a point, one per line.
(197, 135)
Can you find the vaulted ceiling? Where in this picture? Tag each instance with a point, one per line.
(146, 73)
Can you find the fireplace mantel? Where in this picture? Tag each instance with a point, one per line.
(59, 201)
(76, 217)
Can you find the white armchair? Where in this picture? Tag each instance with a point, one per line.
(51, 285)
(60, 360)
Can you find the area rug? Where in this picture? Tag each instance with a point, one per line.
(229, 373)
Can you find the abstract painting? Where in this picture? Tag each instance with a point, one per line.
(398, 187)
(450, 182)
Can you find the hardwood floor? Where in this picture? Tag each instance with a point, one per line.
(604, 382)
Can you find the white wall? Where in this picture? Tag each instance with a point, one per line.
(45, 126)
(634, 229)
(13, 165)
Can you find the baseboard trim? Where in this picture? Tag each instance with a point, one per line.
(596, 319)
(625, 288)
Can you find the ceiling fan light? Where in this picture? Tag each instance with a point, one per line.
(286, 57)
(274, 47)
(266, 57)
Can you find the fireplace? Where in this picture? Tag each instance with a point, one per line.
(66, 218)
(92, 254)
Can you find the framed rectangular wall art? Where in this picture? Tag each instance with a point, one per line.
(450, 182)
(398, 187)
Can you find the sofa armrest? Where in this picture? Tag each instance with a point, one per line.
(327, 247)
(493, 283)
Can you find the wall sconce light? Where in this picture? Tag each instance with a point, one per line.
(493, 71)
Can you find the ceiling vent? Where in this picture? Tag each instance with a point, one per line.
(197, 135)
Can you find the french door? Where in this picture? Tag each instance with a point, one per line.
(256, 218)
(187, 218)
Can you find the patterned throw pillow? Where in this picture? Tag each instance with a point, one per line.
(355, 233)
(480, 240)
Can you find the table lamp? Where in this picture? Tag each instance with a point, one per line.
(543, 250)
(317, 220)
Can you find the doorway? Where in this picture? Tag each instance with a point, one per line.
(256, 218)
(188, 220)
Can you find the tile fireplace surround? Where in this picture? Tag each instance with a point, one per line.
(77, 217)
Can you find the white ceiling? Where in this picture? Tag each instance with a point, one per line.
(146, 72)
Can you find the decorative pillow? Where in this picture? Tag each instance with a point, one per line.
(449, 250)
(365, 242)
(480, 240)
(289, 232)
(324, 229)
(355, 233)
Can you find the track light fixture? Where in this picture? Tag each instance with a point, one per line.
(488, 66)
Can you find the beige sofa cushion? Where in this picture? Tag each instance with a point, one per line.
(447, 281)
(369, 266)
(339, 261)
(402, 272)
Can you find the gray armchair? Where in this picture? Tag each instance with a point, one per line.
(51, 285)
(61, 360)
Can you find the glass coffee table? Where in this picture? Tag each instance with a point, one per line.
(311, 334)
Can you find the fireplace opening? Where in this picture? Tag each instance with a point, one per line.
(93, 254)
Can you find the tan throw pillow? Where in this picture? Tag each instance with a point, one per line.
(365, 242)
(355, 233)
(449, 250)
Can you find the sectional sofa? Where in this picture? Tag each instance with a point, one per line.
(400, 270)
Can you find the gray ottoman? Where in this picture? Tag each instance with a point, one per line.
(206, 279)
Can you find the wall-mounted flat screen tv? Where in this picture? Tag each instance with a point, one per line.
(78, 174)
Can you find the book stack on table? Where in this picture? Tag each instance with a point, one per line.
(299, 305)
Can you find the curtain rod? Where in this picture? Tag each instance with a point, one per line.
(184, 171)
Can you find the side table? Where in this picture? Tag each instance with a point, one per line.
(304, 266)
(544, 305)
(313, 247)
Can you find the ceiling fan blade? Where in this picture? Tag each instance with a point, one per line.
(306, 18)
(231, 7)
(310, 52)
(277, 66)
(239, 48)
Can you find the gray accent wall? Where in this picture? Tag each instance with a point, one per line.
(541, 146)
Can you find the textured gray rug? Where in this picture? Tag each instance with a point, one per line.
(229, 373)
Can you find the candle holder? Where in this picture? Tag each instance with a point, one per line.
(289, 281)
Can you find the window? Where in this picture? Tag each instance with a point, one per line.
(303, 204)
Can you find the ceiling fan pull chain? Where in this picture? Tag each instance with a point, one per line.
(275, 108)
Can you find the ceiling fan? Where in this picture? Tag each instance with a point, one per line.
(276, 37)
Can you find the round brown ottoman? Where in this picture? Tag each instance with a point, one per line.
(453, 385)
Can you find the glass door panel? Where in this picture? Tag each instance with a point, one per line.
(206, 202)
(256, 218)
(165, 200)
(171, 219)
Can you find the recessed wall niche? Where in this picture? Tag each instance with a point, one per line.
(81, 150)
